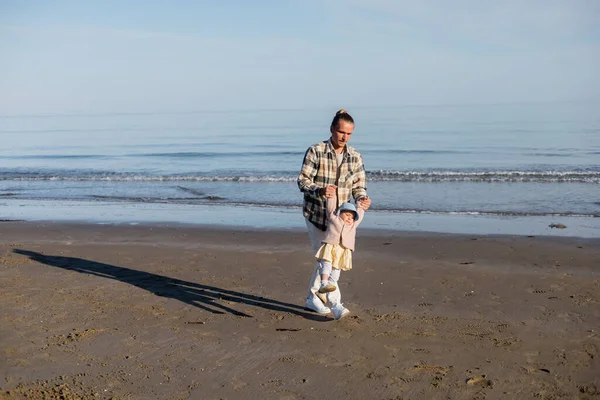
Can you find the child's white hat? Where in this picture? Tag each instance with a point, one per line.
(348, 207)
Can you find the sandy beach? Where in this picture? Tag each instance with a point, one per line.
(185, 312)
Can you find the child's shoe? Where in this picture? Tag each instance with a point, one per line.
(326, 287)
(322, 297)
(339, 311)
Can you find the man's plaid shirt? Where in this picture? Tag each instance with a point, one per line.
(319, 169)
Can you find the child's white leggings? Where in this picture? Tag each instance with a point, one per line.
(316, 237)
(325, 267)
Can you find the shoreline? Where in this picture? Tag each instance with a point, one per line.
(283, 218)
(364, 233)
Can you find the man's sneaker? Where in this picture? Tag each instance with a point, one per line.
(339, 311)
(313, 303)
(326, 287)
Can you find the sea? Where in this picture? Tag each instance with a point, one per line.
(523, 169)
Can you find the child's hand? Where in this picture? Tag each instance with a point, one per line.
(329, 191)
(364, 203)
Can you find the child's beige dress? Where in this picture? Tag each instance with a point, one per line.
(339, 256)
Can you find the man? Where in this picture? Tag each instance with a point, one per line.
(328, 168)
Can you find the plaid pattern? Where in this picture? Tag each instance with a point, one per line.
(319, 169)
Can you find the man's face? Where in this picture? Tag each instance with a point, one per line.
(340, 135)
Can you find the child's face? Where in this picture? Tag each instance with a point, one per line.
(347, 217)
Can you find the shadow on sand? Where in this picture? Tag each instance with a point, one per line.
(195, 294)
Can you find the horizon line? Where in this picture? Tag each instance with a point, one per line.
(292, 109)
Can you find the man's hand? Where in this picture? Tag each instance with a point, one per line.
(329, 191)
(364, 203)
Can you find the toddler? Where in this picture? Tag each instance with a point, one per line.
(335, 253)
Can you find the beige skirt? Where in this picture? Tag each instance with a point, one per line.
(339, 257)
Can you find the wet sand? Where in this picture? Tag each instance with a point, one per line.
(159, 312)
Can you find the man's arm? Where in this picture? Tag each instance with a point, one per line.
(359, 181)
(310, 167)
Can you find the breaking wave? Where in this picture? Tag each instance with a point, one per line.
(574, 176)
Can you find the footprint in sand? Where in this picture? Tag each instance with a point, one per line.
(432, 368)
(536, 291)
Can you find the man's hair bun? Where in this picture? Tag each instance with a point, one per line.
(343, 115)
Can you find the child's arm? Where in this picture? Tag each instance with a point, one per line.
(361, 214)
(331, 207)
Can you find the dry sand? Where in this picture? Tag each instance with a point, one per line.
(151, 312)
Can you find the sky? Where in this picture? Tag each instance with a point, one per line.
(113, 56)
